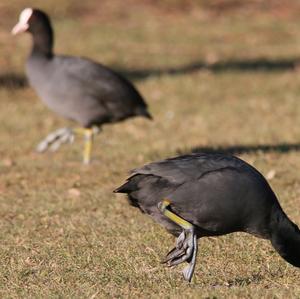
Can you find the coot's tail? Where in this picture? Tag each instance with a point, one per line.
(142, 111)
(129, 186)
(148, 115)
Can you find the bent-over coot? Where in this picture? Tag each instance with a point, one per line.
(76, 88)
(199, 195)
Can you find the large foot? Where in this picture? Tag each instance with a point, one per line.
(186, 244)
(66, 135)
(55, 139)
(184, 251)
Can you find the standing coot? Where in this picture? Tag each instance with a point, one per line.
(74, 87)
(200, 195)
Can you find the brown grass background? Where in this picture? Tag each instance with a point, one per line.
(218, 75)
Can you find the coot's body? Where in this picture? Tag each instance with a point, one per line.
(82, 90)
(75, 88)
(217, 195)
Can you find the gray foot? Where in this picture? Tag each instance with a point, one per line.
(55, 139)
(184, 251)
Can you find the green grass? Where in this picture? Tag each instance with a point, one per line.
(88, 243)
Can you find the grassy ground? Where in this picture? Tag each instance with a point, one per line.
(215, 79)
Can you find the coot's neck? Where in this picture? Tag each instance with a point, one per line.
(285, 237)
(43, 42)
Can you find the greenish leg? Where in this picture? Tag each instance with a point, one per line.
(88, 144)
(186, 245)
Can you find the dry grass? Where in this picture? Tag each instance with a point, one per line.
(210, 82)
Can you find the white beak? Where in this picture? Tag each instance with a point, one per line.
(19, 27)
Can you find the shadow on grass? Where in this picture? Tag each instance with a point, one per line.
(245, 149)
(13, 81)
(251, 65)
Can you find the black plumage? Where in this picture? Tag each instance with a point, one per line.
(218, 195)
(76, 88)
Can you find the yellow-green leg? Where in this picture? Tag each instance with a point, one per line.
(163, 206)
(88, 135)
(186, 245)
(88, 144)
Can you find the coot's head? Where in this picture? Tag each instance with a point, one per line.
(32, 20)
(293, 248)
(292, 252)
(287, 242)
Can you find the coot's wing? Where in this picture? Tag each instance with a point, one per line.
(109, 88)
(191, 167)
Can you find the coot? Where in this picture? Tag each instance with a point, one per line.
(75, 88)
(201, 195)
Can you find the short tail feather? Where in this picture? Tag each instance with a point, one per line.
(129, 186)
(122, 189)
(148, 115)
